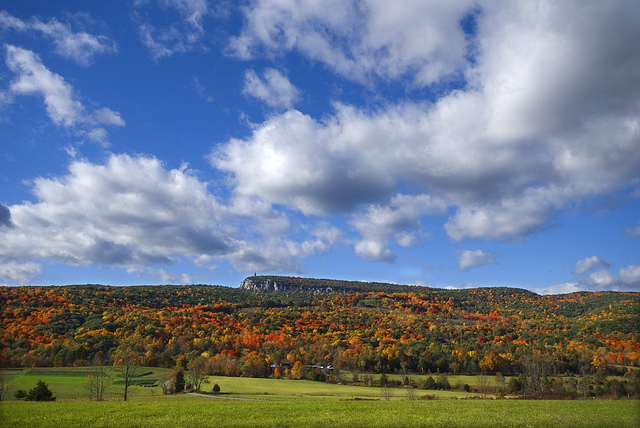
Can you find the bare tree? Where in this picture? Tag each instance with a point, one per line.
(411, 393)
(386, 392)
(482, 381)
(5, 386)
(129, 363)
(537, 367)
(97, 383)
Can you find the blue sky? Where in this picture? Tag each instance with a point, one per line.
(447, 144)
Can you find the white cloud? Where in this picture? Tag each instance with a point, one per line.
(294, 161)
(359, 39)
(634, 232)
(275, 90)
(170, 278)
(599, 279)
(20, 273)
(8, 21)
(540, 126)
(193, 11)
(397, 220)
(182, 35)
(134, 213)
(630, 275)
(509, 218)
(108, 117)
(81, 46)
(33, 78)
(474, 258)
(628, 279)
(569, 287)
(129, 211)
(60, 99)
(585, 265)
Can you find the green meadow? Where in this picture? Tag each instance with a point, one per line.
(283, 403)
(185, 410)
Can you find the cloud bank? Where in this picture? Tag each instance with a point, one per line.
(133, 212)
(532, 111)
(541, 125)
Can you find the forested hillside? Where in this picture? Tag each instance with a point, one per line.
(392, 329)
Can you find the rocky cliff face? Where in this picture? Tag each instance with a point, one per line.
(264, 285)
(261, 284)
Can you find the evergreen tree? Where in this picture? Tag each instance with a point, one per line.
(384, 380)
(180, 381)
(40, 392)
(429, 383)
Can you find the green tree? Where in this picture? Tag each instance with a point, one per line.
(514, 385)
(197, 371)
(40, 392)
(179, 382)
(429, 383)
(216, 388)
(384, 381)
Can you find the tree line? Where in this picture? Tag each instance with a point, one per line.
(250, 333)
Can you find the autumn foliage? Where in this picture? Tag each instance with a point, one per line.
(392, 330)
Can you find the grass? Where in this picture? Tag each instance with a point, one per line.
(183, 410)
(283, 389)
(68, 382)
(283, 403)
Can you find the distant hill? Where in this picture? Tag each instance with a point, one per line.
(291, 283)
(370, 327)
(317, 285)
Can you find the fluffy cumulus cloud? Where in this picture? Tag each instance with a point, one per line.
(135, 213)
(585, 265)
(630, 275)
(468, 259)
(397, 221)
(61, 101)
(299, 162)
(275, 89)
(602, 279)
(183, 35)
(81, 46)
(548, 117)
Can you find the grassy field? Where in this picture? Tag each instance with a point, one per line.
(183, 410)
(282, 403)
(68, 382)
